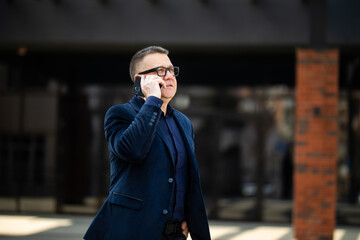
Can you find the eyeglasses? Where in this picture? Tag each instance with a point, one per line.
(161, 71)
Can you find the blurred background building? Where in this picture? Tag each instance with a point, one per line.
(63, 63)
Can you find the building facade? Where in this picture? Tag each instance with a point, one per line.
(64, 63)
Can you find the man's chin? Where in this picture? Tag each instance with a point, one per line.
(167, 95)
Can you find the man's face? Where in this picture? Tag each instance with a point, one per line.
(160, 60)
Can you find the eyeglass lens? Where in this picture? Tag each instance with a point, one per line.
(161, 71)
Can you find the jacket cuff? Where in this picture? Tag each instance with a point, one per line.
(154, 101)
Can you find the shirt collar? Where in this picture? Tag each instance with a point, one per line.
(170, 110)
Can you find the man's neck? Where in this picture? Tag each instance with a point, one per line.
(164, 107)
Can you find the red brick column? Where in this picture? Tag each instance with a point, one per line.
(315, 144)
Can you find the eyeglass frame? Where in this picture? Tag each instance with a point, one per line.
(155, 69)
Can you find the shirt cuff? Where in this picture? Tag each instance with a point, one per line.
(154, 101)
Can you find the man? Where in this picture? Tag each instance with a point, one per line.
(155, 190)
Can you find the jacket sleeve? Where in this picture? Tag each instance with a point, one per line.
(130, 135)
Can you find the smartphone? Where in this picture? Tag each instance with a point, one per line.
(137, 87)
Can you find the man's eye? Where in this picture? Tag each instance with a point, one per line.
(172, 70)
(161, 71)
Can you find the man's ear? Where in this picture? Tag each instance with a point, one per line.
(136, 75)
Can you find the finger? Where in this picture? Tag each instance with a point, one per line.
(185, 228)
(142, 78)
(162, 83)
(183, 225)
(137, 75)
(146, 80)
(154, 78)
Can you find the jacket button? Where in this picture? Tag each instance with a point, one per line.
(170, 180)
(165, 211)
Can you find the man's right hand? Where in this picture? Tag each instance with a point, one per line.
(150, 85)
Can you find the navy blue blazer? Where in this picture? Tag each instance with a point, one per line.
(141, 168)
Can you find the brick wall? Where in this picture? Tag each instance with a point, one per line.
(315, 144)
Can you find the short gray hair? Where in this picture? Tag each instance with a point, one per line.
(141, 54)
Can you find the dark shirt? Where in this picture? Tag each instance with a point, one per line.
(175, 141)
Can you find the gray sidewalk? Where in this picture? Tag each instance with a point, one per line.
(72, 227)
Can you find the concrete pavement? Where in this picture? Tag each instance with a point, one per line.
(72, 227)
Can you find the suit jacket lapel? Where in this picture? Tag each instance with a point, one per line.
(186, 137)
(188, 141)
(161, 134)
